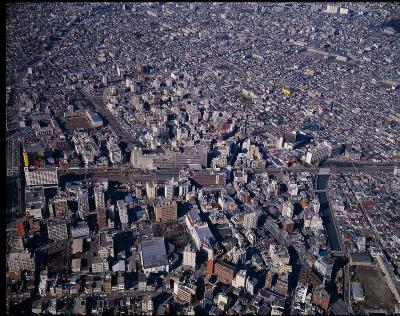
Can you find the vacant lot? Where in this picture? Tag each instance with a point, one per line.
(377, 293)
(74, 123)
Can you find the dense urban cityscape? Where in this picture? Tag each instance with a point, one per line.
(203, 158)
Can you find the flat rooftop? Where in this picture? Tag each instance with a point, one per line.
(154, 253)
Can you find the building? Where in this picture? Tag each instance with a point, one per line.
(80, 230)
(169, 159)
(189, 256)
(250, 220)
(169, 189)
(57, 231)
(184, 294)
(166, 211)
(123, 213)
(360, 259)
(324, 267)
(199, 230)
(142, 282)
(45, 177)
(205, 178)
(240, 279)
(332, 9)
(147, 305)
(210, 267)
(35, 202)
(151, 189)
(83, 202)
(94, 118)
(18, 261)
(21, 226)
(102, 218)
(99, 200)
(153, 255)
(58, 205)
(357, 292)
(281, 286)
(320, 297)
(100, 265)
(268, 279)
(184, 188)
(225, 272)
(287, 209)
(318, 154)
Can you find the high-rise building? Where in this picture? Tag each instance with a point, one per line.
(58, 205)
(169, 189)
(184, 188)
(57, 230)
(99, 196)
(189, 256)
(225, 272)
(151, 189)
(83, 202)
(102, 218)
(166, 211)
(123, 213)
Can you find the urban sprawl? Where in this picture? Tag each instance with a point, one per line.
(203, 158)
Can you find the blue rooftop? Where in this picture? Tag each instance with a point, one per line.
(96, 118)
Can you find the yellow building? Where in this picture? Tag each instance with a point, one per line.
(26, 160)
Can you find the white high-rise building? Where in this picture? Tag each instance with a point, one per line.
(184, 188)
(189, 256)
(169, 189)
(151, 189)
(123, 212)
(240, 279)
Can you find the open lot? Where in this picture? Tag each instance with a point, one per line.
(74, 123)
(377, 293)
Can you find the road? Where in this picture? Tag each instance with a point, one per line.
(329, 220)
